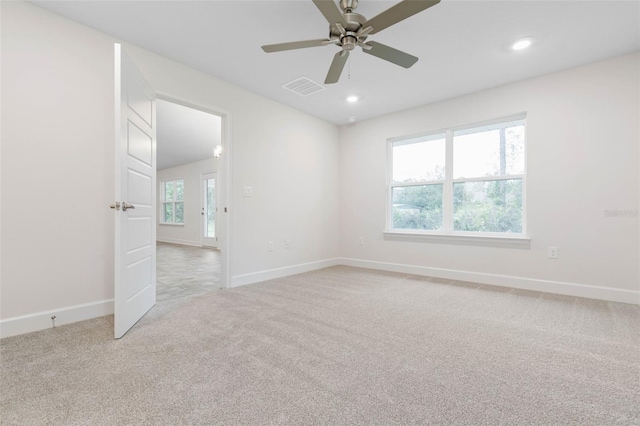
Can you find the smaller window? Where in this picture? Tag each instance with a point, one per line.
(172, 194)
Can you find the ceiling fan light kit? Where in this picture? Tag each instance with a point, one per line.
(349, 30)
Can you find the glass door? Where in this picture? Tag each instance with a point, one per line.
(209, 210)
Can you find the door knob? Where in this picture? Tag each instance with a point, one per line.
(126, 206)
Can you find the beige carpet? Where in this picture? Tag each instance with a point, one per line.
(337, 346)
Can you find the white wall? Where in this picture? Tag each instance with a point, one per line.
(189, 232)
(58, 167)
(57, 163)
(582, 136)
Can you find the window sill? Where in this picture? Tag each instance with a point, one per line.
(520, 241)
(171, 224)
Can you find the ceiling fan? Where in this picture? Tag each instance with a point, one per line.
(348, 29)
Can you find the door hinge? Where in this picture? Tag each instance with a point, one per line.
(225, 209)
(115, 206)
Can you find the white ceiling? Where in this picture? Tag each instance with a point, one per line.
(185, 135)
(463, 46)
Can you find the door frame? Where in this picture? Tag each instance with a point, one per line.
(223, 184)
(215, 213)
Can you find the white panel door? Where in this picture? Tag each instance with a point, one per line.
(209, 210)
(135, 235)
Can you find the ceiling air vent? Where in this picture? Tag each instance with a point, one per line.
(303, 86)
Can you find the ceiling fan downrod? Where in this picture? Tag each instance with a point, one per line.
(348, 6)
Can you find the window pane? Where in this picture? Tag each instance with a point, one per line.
(490, 206)
(179, 212)
(495, 150)
(167, 209)
(179, 190)
(417, 207)
(421, 161)
(168, 191)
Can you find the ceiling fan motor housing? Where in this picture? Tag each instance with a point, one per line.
(349, 38)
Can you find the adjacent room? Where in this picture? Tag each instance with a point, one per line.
(320, 212)
(188, 257)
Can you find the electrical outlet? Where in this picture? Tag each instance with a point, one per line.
(270, 246)
(553, 252)
(287, 244)
(360, 241)
(247, 191)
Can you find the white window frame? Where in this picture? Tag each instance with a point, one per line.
(448, 233)
(172, 202)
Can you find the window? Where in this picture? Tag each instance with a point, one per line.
(467, 180)
(172, 193)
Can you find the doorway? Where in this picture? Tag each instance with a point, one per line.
(140, 194)
(187, 242)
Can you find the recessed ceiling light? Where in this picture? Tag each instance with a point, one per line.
(523, 43)
(351, 119)
(352, 99)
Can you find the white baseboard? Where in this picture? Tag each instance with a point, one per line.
(255, 277)
(557, 287)
(42, 320)
(179, 241)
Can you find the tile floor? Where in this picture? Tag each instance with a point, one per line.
(184, 271)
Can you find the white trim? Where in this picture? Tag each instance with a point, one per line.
(525, 228)
(270, 274)
(447, 185)
(389, 209)
(225, 176)
(488, 178)
(533, 284)
(418, 137)
(42, 320)
(179, 241)
(419, 183)
(481, 239)
(491, 123)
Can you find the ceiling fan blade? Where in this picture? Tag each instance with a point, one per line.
(330, 11)
(397, 13)
(337, 66)
(269, 48)
(390, 54)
